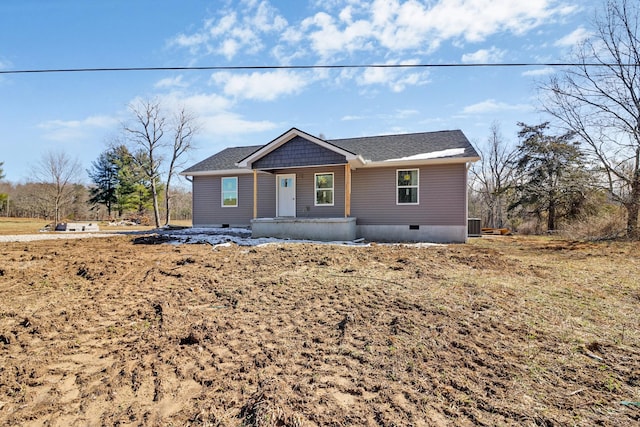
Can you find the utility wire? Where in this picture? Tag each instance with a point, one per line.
(307, 67)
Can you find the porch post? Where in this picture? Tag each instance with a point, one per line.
(255, 193)
(347, 190)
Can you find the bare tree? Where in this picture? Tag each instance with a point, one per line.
(58, 172)
(184, 128)
(146, 135)
(4, 197)
(599, 100)
(494, 175)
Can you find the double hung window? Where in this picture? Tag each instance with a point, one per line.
(230, 192)
(324, 189)
(407, 187)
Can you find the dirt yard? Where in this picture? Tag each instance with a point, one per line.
(501, 331)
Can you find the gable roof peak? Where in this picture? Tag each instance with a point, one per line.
(288, 136)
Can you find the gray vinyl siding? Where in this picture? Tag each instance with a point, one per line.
(207, 200)
(266, 196)
(442, 196)
(305, 192)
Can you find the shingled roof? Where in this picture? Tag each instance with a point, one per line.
(224, 160)
(387, 147)
(448, 144)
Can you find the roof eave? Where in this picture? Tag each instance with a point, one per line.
(356, 161)
(423, 162)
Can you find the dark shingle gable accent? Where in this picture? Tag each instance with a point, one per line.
(299, 152)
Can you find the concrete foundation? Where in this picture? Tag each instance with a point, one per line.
(413, 233)
(77, 226)
(321, 229)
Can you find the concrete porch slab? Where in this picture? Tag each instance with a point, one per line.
(321, 229)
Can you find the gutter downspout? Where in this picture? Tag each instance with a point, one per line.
(466, 201)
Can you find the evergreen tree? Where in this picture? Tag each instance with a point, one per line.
(552, 178)
(132, 193)
(104, 174)
(120, 184)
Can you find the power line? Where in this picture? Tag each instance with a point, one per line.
(306, 67)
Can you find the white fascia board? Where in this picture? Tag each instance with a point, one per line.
(356, 161)
(288, 136)
(424, 162)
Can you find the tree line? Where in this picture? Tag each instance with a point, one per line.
(580, 167)
(132, 179)
(588, 167)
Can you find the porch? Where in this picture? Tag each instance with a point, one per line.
(320, 229)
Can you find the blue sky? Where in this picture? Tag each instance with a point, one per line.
(81, 113)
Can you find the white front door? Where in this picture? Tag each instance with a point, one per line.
(286, 195)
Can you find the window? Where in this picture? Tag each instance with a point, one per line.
(230, 192)
(407, 187)
(324, 189)
(286, 182)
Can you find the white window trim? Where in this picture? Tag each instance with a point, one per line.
(222, 191)
(315, 191)
(417, 187)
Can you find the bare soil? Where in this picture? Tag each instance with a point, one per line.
(501, 331)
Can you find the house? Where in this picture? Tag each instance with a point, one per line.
(409, 187)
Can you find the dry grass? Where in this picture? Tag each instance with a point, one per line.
(607, 225)
(34, 225)
(21, 225)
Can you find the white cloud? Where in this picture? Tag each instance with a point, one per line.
(397, 115)
(402, 114)
(474, 20)
(170, 82)
(191, 41)
(231, 34)
(539, 72)
(493, 106)
(227, 124)
(201, 104)
(575, 37)
(397, 79)
(346, 27)
(328, 39)
(484, 56)
(74, 130)
(259, 86)
(213, 114)
(340, 30)
(350, 118)
(406, 25)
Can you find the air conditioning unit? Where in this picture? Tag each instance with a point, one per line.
(473, 227)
